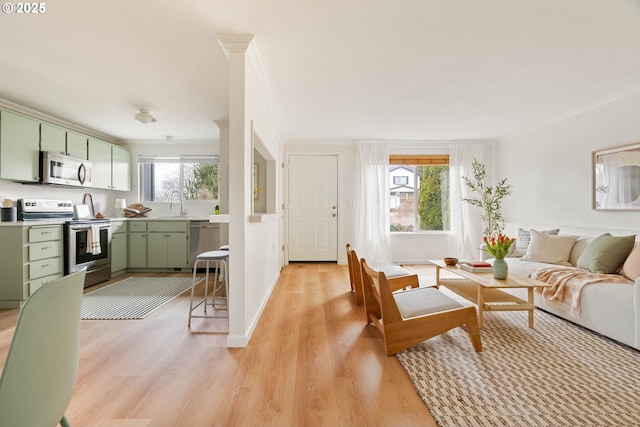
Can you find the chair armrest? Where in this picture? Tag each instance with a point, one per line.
(402, 282)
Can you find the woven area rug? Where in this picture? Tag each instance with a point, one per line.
(556, 375)
(132, 298)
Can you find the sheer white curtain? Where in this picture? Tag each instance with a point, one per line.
(373, 237)
(466, 225)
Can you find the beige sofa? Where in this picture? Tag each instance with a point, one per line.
(608, 308)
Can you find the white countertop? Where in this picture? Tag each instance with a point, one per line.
(62, 221)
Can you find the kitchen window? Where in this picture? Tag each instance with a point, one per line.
(419, 193)
(195, 177)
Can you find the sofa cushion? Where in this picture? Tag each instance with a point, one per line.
(549, 248)
(606, 253)
(519, 248)
(631, 267)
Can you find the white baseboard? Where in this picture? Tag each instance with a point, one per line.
(241, 341)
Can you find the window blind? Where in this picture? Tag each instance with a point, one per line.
(419, 159)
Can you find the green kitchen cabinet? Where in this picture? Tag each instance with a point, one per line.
(137, 244)
(29, 257)
(168, 244)
(77, 145)
(111, 166)
(119, 246)
(19, 147)
(120, 168)
(53, 138)
(99, 154)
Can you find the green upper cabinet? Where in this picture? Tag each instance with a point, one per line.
(121, 168)
(76, 145)
(100, 157)
(61, 141)
(52, 138)
(19, 147)
(111, 166)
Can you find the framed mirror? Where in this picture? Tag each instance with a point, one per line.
(616, 178)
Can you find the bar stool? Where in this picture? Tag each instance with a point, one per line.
(220, 260)
(224, 248)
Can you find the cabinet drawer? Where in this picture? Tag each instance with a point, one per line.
(45, 267)
(137, 226)
(118, 227)
(44, 250)
(35, 284)
(43, 234)
(176, 226)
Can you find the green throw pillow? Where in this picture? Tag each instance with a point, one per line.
(606, 253)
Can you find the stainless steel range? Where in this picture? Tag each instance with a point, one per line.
(87, 241)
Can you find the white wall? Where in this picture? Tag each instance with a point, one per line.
(263, 254)
(550, 167)
(103, 200)
(255, 258)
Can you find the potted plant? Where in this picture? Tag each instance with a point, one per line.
(487, 198)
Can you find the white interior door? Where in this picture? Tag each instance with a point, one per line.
(313, 208)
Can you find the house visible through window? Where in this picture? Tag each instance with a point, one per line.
(419, 193)
(195, 177)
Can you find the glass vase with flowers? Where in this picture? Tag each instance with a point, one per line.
(499, 248)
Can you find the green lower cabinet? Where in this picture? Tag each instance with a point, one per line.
(137, 250)
(167, 250)
(158, 244)
(119, 252)
(29, 258)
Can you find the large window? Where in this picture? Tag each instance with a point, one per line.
(195, 177)
(419, 193)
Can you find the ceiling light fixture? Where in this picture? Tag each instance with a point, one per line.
(144, 117)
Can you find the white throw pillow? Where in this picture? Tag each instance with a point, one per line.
(519, 248)
(549, 248)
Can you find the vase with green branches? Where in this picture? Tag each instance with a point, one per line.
(487, 198)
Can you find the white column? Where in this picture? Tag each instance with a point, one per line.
(239, 181)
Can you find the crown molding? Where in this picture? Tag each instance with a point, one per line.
(5, 104)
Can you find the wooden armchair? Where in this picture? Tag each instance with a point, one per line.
(355, 273)
(407, 318)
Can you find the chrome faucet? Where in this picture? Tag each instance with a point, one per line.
(182, 212)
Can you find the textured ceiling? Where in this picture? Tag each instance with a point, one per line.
(357, 69)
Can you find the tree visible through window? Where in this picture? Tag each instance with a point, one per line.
(196, 178)
(422, 204)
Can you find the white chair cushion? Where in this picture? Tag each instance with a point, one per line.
(421, 301)
(392, 271)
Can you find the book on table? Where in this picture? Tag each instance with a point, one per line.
(476, 266)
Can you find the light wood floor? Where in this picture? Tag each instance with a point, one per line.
(312, 361)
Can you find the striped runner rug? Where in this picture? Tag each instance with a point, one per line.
(132, 298)
(557, 374)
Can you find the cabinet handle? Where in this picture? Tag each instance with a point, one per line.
(43, 233)
(45, 265)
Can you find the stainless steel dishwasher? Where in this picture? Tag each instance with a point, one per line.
(205, 236)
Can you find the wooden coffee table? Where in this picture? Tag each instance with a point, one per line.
(483, 290)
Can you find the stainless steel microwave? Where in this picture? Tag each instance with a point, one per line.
(64, 170)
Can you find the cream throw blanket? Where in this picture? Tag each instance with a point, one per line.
(568, 283)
